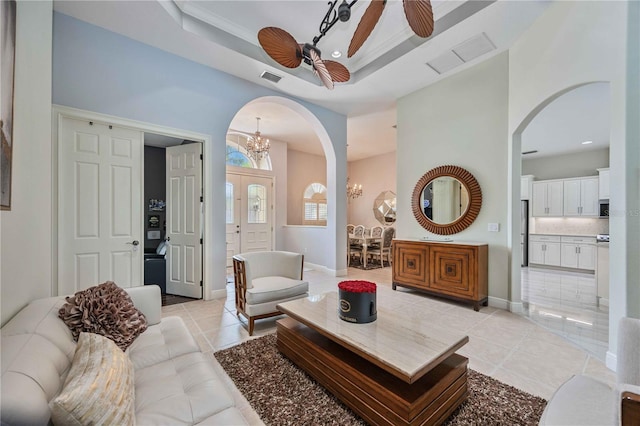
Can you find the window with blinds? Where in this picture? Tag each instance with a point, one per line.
(315, 205)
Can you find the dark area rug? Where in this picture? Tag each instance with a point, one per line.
(355, 263)
(170, 299)
(282, 394)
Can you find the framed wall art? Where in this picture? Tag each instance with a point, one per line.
(7, 67)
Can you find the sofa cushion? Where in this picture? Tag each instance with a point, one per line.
(267, 289)
(99, 388)
(228, 416)
(36, 353)
(181, 391)
(161, 342)
(581, 400)
(105, 309)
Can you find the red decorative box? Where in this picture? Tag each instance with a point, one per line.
(357, 301)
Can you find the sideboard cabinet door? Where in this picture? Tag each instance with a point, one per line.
(410, 262)
(450, 271)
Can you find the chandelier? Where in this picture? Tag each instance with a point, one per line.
(354, 191)
(257, 146)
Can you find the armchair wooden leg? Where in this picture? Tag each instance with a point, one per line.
(251, 322)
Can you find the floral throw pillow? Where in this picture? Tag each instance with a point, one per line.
(105, 309)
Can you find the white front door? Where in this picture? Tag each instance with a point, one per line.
(253, 214)
(184, 218)
(233, 196)
(99, 205)
(256, 214)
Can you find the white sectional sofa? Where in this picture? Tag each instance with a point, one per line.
(175, 383)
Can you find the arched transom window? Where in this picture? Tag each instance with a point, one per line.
(237, 153)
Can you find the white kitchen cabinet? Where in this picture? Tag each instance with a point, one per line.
(525, 187)
(578, 252)
(580, 197)
(544, 250)
(536, 252)
(603, 184)
(547, 198)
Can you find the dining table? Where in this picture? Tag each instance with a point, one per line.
(366, 241)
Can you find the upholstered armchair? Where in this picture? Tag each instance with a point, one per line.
(583, 400)
(265, 278)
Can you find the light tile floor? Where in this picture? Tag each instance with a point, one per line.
(566, 304)
(508, 347)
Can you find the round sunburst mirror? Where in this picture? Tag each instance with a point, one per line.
(446, 200)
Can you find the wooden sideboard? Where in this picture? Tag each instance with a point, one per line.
(454, 270)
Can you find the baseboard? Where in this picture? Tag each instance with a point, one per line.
(324, 269)
(218, 294)
(496, 302)
(516, 307)
(611, 361)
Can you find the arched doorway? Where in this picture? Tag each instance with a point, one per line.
(320, 246)
(562, 295)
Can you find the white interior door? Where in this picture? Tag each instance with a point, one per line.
(99, 205)
(233, 202)
(250, 225)
(184, 218)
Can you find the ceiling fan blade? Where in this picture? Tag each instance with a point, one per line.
(366, 25)
(420, 16)
(320, 70)
(281, 46)
(339, 73)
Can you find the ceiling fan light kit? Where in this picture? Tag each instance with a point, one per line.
(283, 48)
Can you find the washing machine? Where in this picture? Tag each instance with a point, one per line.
(155, 270)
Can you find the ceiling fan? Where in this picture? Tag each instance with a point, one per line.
(283, 48)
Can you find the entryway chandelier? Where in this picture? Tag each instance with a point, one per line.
(257, 146)
(354, 191)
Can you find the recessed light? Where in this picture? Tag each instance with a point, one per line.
(587, 142)
(336, 54)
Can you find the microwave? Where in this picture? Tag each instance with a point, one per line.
(604, 208)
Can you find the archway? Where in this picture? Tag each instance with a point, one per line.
(324, 248)
(563, 225)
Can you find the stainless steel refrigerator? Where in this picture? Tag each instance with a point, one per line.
(524, 232)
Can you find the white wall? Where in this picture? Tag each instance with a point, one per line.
(312, 242)
(26, 234)
(461, 120)
(375, 174)
(576, 43)
(566, 165)
(303, 169)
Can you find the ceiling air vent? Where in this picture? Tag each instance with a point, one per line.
(474, 47)
(464, 52)
(530, 152)
(270, 76)
(445, 62)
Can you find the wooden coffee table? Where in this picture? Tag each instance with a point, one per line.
(397, 370)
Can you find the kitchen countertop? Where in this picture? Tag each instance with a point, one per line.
(566, 235)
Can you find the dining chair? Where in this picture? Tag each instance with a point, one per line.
(355, 245)
(376, 232)
(350, 228)
(385, 248)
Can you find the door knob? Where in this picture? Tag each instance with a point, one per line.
(134, 242)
